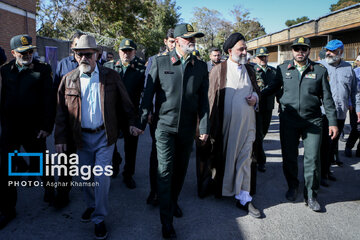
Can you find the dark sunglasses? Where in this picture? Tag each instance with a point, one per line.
(86, 54)
(27, 52)
(303, 49)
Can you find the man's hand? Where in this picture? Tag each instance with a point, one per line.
(203, 137)
(135, 131)
(43, 134)
(333, 132)
(60, 148)
(150, 118)
(358, 115)
(251, 100)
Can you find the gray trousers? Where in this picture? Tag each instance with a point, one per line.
(96, 152)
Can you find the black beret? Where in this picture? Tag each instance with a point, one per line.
(232, 40)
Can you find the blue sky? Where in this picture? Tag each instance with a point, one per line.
(272, 14)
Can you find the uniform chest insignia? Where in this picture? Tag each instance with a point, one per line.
(258, 69)
(287, 75)
(310, 75)
(118, 62)
(173, 59)
(168, 72)
(289, 66)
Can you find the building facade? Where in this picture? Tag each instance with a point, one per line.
(16, 17)
(343, 24)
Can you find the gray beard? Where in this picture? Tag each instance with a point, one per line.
(84, 68)
(187, 49)
(332, 60)
(239, 59)
(25, 62)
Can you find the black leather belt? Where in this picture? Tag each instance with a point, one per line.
(95, 130)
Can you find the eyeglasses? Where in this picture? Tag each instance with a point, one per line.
(27, 52)
(303, 49)
(86, 54)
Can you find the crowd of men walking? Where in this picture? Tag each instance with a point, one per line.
(225, 105)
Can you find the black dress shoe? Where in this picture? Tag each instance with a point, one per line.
(339, 163)
(249, 208)
(116, 161)
(357, 153)
(49, 195)
(168, 231)
(324, 183)
(6, 218)
(100, 231)
(261, 168)
(61, 200)
(291, 194)
(331, 176)
(129, 182)
(86, 216)
(152, 199)
(348, 152)
(313, 204)
(177, 211)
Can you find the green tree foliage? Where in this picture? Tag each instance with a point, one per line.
(249, 27)
(296, 21)
(343, 4)
(109, 21)
(217, 29)
(207, 21)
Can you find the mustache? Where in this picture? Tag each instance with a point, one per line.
(84, 62)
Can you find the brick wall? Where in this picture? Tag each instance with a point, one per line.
(339, 19)
(13, 24)
(28, 5)
(302, 30)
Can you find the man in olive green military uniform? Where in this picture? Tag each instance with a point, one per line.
(132, 72)
(264, 75)
(305, 88)
(181, 84)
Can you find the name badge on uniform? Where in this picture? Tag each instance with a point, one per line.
(311, 75)
(287, 75)
(168, 72)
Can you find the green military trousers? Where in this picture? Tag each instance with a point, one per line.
(291, 129)
(173, 152)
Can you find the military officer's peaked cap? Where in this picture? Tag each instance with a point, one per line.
(21, 43)
(261, 51)
(301, 41)
(185, 30)
(127, 43)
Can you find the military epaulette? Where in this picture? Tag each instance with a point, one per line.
(321, 65)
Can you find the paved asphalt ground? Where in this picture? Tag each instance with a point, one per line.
(208, 219)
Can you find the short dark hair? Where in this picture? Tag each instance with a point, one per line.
(214, 49)
(170, 33)
(77, 34)
(110, 53)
